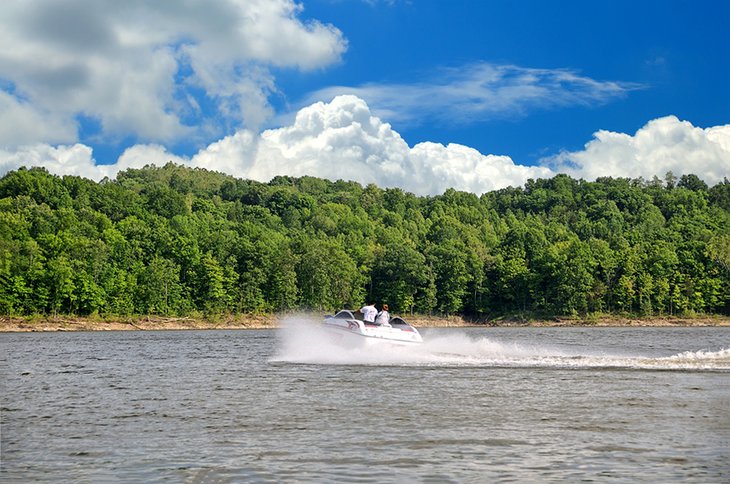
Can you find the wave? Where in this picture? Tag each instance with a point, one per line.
(719, 358)
(303, 341)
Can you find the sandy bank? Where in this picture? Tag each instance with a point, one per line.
(8, 324)
(18, 324)
(603, 321)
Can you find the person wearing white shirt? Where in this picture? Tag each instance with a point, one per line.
(383, 317)
(369, 312)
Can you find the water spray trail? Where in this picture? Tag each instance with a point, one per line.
(303, 340)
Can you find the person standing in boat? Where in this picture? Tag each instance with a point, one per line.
(383, 318)
(369, 312)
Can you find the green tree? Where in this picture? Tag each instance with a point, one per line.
(213, 284)
(60, 280)
(173, 239)
(327, 276)
(159, 290)
(399, 272)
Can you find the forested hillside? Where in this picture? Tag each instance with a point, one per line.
(177, 241)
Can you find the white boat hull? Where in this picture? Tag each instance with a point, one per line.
(348, 331)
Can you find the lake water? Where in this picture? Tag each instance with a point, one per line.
(469, 405)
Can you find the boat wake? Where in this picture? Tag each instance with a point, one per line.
(302, 341)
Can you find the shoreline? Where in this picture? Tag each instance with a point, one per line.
(154, 323)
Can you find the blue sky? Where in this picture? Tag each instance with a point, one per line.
(672, 56)
(420, 94)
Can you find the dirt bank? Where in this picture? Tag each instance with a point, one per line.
(152, 323)
(126, 324)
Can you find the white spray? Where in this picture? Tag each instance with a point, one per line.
(301, 339)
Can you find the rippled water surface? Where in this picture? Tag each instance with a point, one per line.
(469, 405)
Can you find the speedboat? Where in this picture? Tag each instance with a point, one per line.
(346, 329)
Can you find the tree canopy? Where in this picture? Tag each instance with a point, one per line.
(174, 240)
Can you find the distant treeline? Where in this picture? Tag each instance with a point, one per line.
(178, 241)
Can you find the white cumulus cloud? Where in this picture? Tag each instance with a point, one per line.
(60, 160)
(131, 66)
(24, 123)
(342, 139)
(662, 145)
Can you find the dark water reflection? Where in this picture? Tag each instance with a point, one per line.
(478, 405)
